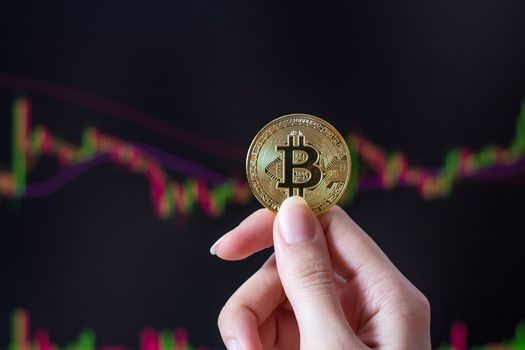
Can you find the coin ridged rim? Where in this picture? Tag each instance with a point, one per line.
(319, 120)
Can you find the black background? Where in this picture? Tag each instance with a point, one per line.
(416, 76)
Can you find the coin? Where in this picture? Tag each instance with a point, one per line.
(302, 155)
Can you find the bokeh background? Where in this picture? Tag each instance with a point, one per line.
(418, 77)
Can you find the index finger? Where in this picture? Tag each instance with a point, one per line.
(350, 247)
(252, 235)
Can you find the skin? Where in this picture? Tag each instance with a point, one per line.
(327, 286)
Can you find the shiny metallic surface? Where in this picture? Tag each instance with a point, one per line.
(298, 154)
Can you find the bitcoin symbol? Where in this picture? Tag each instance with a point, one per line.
(298, 154)
(308, 158)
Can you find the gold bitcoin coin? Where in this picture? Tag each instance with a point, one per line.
(298, 155)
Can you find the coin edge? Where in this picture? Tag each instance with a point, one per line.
(318, 119)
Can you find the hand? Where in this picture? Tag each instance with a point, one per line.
(327, 286)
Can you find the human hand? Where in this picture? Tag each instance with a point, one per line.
(327, 286)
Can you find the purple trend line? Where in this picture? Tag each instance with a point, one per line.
(373, 182)
(500, 171)
(49, 186)
(369, 183)
(171, 162)
(177, 164)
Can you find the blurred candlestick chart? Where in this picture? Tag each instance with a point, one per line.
(150, 339)
(177, 339)
(179, 186)
(167, 195)
(372, 167)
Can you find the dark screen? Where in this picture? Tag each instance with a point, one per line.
(196, 81)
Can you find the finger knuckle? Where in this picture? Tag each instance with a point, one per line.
(422, 304)
(314, 276)
(413, 304)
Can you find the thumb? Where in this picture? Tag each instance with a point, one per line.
(305, 271)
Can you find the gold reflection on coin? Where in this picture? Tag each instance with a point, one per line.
(302, 155)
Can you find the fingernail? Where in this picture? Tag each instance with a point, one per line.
(213, 248)
(233, 344)
(296, 220)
